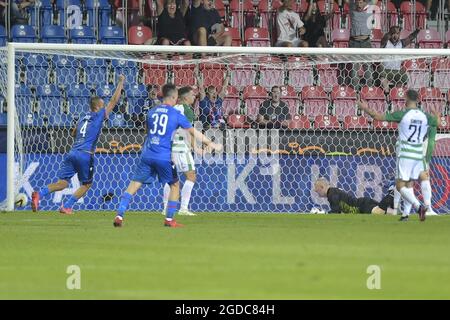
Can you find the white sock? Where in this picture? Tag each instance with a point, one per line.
(397, 198)
(408, 195)
(166, 195)
(426, 192)
(186, 194)
(406, 208)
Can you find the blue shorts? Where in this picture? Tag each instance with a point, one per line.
(77, 162)
(147, 170)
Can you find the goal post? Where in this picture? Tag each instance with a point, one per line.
(262, 168)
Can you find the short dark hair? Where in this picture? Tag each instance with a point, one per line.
(168, 89)
(275, 87)
(184, 91)
(412, 95)
(94, 101)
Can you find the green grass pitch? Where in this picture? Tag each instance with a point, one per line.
(223, 256)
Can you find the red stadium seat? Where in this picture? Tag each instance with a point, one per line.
(392, 15)
(235, 36)
(242, 72)
(441, 70)
(247, 8)
(271, 71)
(139, 34)
(429, 38)
(253, 97)
(220, 7)
(376, 37)
(315, 101)
(231, 101)
(237, 121)
(355, 122)
(344, 101)
(445, 123)
(432, 99)
(300, 72)
(447, 38)
(397, 97)
(264, 12)
(299, 122)
(340, 38)
(328, 75)
(183, 71)
(375, 98)
(418, 73)
(289, 96)
(406, 9)
(257, 37)
(213, 74)
(153, 73)
(326, 122)
(404, 34)
(384, 125)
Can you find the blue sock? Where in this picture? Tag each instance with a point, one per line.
(44, 192)
(172, 208)
(123, 206)
(69, 204)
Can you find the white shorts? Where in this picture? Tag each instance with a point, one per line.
(183, 161)
(409, 169)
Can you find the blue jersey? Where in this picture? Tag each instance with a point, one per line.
(162, 123)
(88, 130)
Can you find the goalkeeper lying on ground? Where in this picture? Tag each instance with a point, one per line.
(343, 202)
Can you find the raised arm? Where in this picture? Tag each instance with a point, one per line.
(225, 83)
(115, 98)
(365, 107)
(201, 88)
(407, 41)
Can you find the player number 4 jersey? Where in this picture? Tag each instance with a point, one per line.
(413, 128)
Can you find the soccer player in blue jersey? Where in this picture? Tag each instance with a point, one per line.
(80, 159)
(156, 155)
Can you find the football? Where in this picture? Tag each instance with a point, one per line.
(21, 200)
(315, 210)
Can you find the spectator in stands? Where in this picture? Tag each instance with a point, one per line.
(315, 24)
(211, 113)
(205, 25)
(391, 70)
(151, 101)
(171, 23)
(274, 113)
(289, 27)
(16, 11)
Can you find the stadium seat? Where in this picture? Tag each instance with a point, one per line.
(429, 38)
(237, 121)
(117, 120)
(220, 7)
(325, 8)
(242, 72)
(231, 102)
(328, 75)
(384, 125)
(344, 101)
(53, 34)
(111, 35)
(60, 120)
(3, 119)
(246, 10)
(315, 101)
(105, 92)
(271, 71)
(104, 12)
(3, 36)
(397, 98)
(83, 34)
(139, 35)
(235, 36)
(289, 96)
(376, 37)
(23, 33)
(24, 98)
(183, 71)
(355, 122)
(418, 73)
(326, 122)
(445, 123)
(49, 99)
(264, 13)
(404, 34)
(257, 37)
(46, 12)
(136, 95)
(447, 38)
(299, 122)
(66, 69)
(406, 10)
(36, 68)
(432, 99)
(78, 96)
(375, 98)
(128, 68)
(441, 71)
(213, 74)
(154, 73)
(95, 71)
(340, 38)
(253, 97)
(392, 14)
(299, 72)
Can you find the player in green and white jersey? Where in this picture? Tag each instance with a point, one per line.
(182, 147)
(413, 127)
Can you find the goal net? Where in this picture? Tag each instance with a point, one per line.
(273, 152)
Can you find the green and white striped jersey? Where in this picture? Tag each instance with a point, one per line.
(413, 127)
(182, 139)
